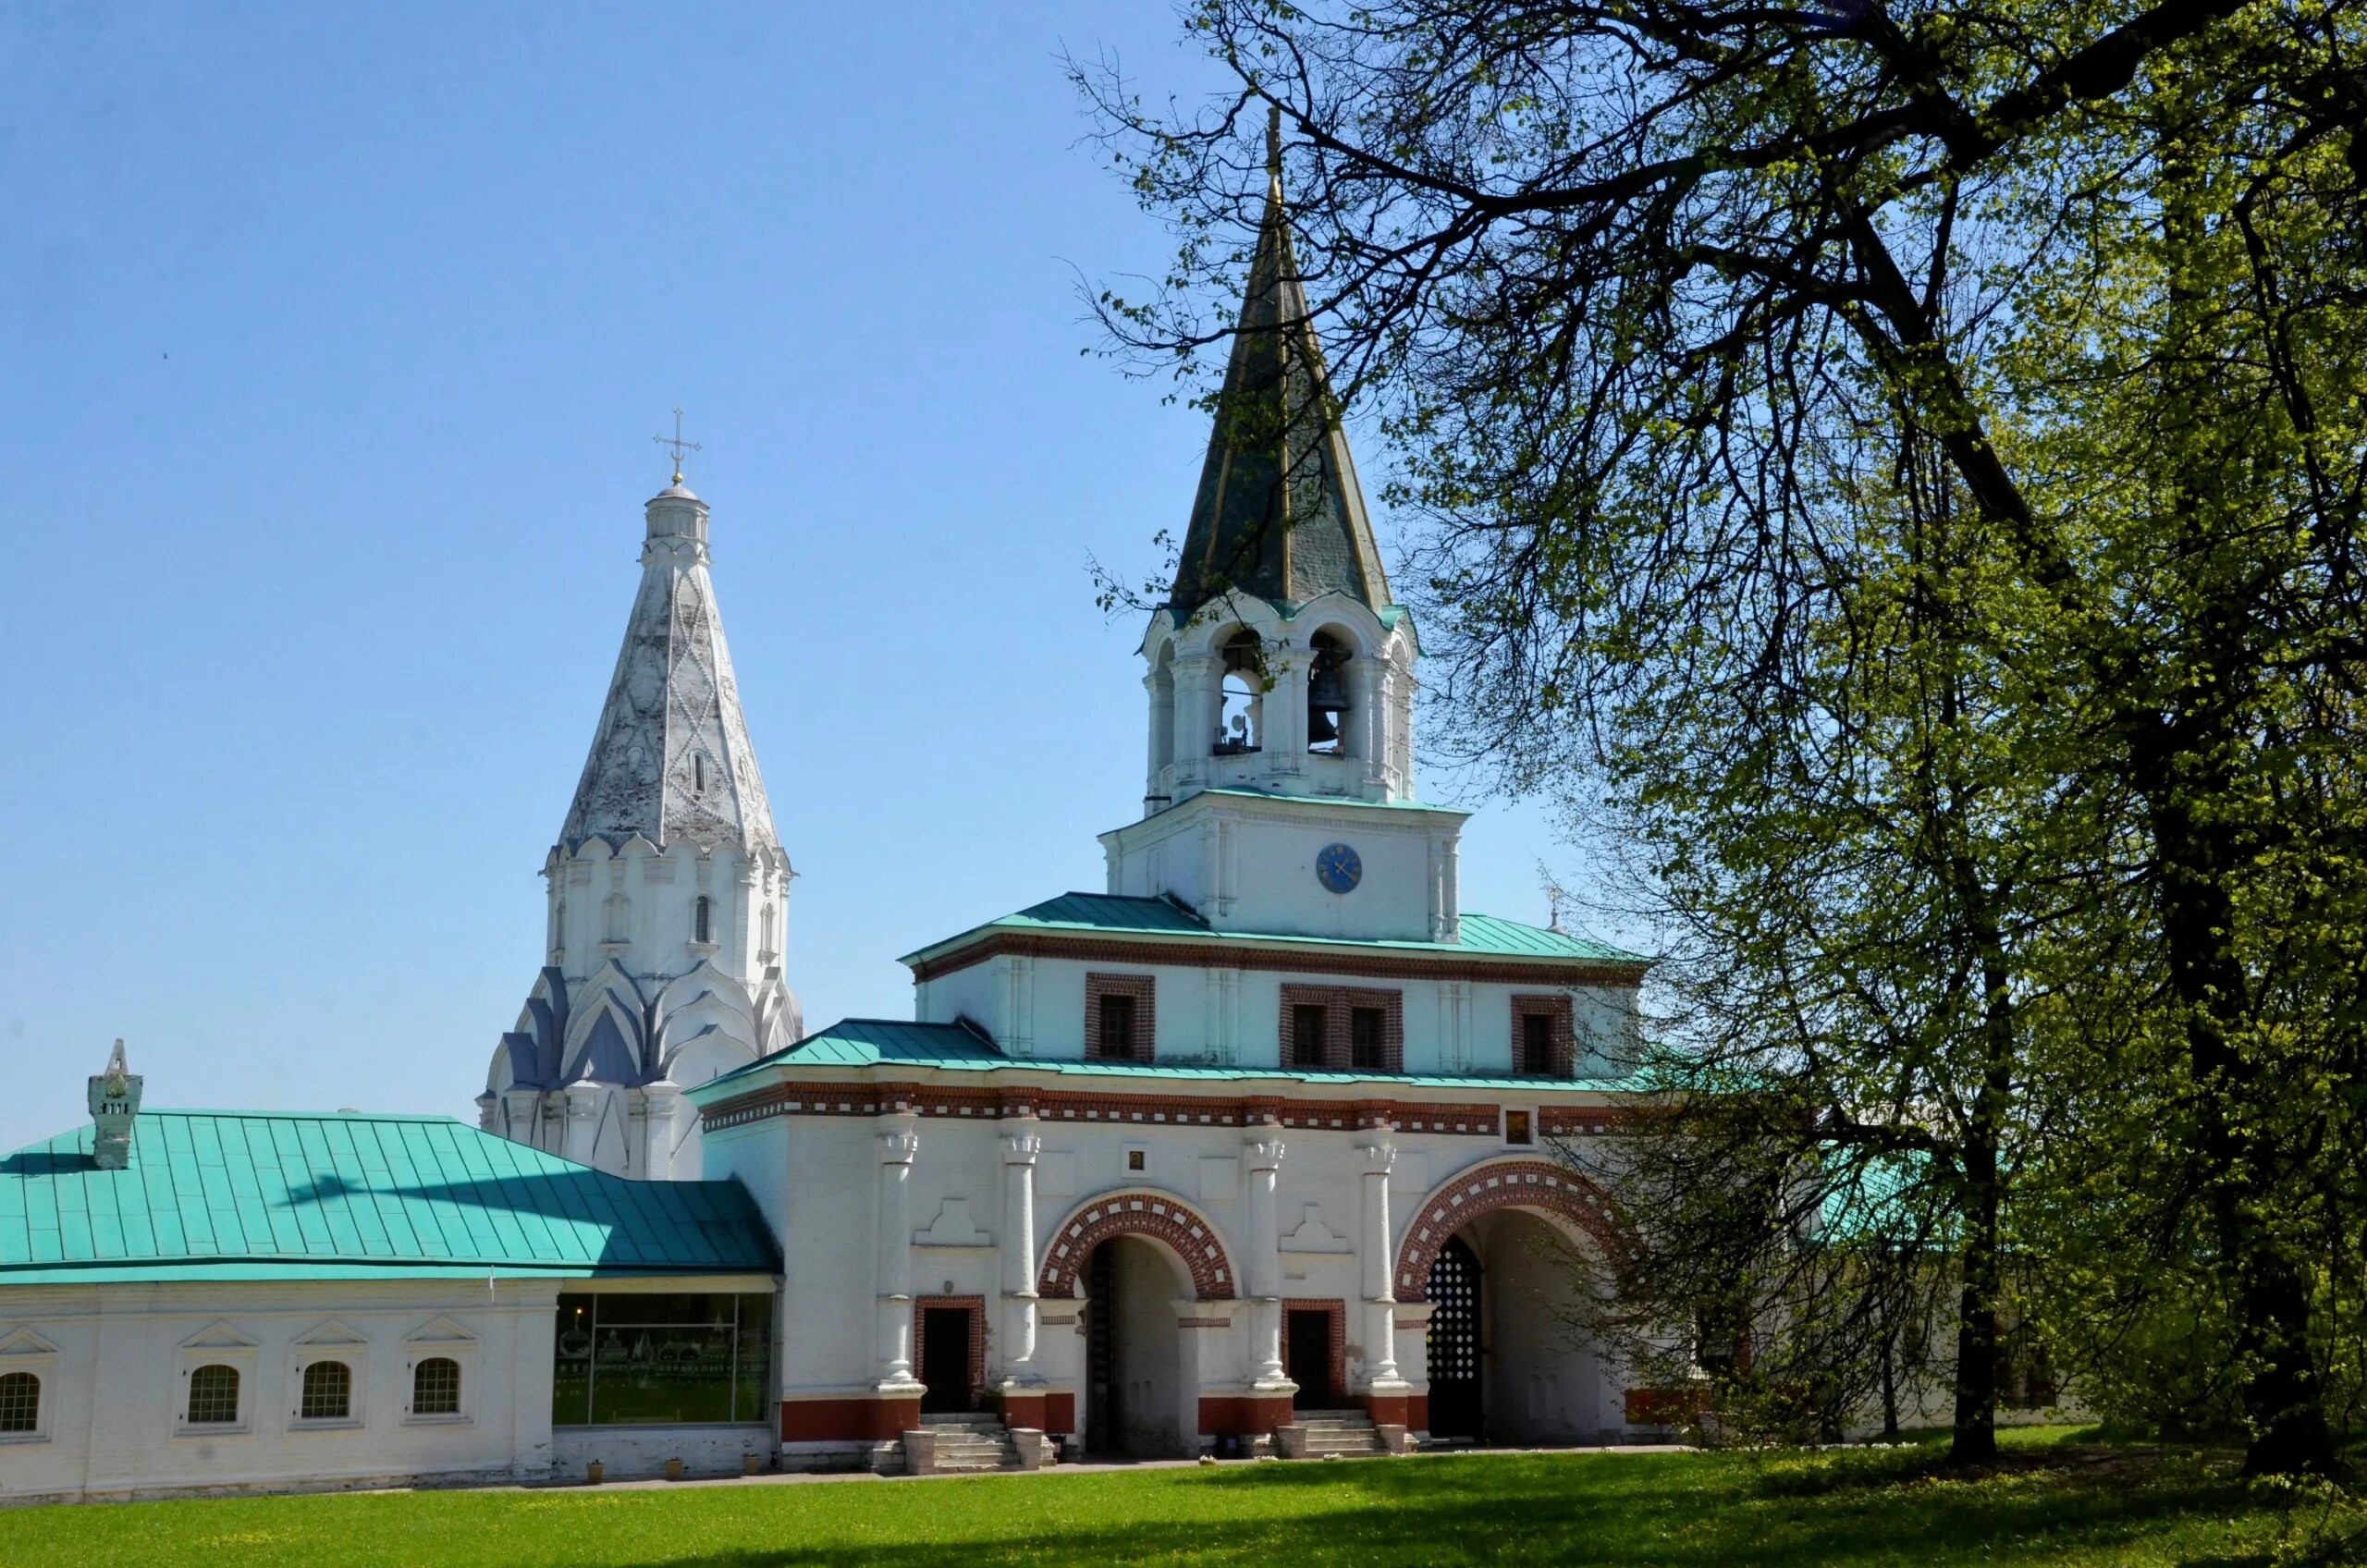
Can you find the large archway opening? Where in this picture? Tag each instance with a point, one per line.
(1136, 1402)
(1501, 1254)
(1509, 1361)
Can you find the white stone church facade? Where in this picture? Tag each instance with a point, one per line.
(1265, 1127)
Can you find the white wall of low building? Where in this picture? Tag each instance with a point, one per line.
(114, 1387)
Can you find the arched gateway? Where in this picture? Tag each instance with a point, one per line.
(1134, 1253)
(1503, 1363)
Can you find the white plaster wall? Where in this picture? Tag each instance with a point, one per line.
(114, 1391)
(1450, 1027)
(1249, 866)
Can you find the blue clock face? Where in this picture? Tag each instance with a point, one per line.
(1338, 868)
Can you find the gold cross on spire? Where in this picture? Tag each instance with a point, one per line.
(675, 444)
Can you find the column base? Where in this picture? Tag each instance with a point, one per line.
(1256, 1413)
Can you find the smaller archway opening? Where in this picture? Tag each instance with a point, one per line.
(1327, 699)
(703, 919)
(1134, 1398)
(1241, 723)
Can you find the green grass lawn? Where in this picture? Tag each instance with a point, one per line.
(2054, 1502)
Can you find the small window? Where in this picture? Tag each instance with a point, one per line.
(1367, 1032)
(1537, 1044)
(1310, 1023)
(703, 919)
(1517, 1130)
(214, 1396)
(328, 1392)
(1117, 1025)
(19, 1403)
(1137, 1160)
(1240, 729)
(435, 1387)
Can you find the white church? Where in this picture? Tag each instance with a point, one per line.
(1251, 1151)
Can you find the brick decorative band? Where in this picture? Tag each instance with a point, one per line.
(1149, 1110)
(1195, 954)
(847, 1419)
(1485, 1188)
(1155, 1215)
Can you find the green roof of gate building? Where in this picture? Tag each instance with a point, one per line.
(272, 1195)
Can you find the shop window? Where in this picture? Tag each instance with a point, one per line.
(664, 1359)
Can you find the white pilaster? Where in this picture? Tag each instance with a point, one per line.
(893, 1268)
(1262, 1159)
(1021, 1147)
(1378, 1267)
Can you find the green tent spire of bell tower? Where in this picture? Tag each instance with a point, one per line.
(1279, 514)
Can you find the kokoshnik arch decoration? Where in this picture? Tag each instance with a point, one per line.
(1154, 1215)
(1501, 1184)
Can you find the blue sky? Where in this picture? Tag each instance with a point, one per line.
(334, 341)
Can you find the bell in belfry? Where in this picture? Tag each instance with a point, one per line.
(115, 1105)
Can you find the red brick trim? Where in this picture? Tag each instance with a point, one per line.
(1243, 1414)
(848, 1419)
(1157, 1214)
(1143, 988)
(976, 1307)
(1484, 1189)
(1566, 1032)
(1388, 1409)
(1339, 1004)
(1338, 1313)
(1109, 948)
(863, 1098)
(1059, 1413)
(1417, 1413)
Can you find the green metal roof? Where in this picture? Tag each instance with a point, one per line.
(267, 1195)
(956, 1048)
(1110, 913)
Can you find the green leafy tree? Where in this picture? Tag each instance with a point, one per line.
(1636, 286)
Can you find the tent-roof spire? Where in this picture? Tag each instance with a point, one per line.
(1280, 514)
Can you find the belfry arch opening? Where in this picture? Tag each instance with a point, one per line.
(1241, 721)
(1327, 699)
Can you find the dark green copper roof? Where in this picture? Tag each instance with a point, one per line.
(266, 1195)
(956, 1048)
(1484, 936)
(1279, 514)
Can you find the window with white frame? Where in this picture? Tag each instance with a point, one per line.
(435, 1387)
(20, 1404)
(326, 1393)
(214, 1391)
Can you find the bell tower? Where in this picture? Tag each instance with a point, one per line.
(667, 893)
(1280, 673)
